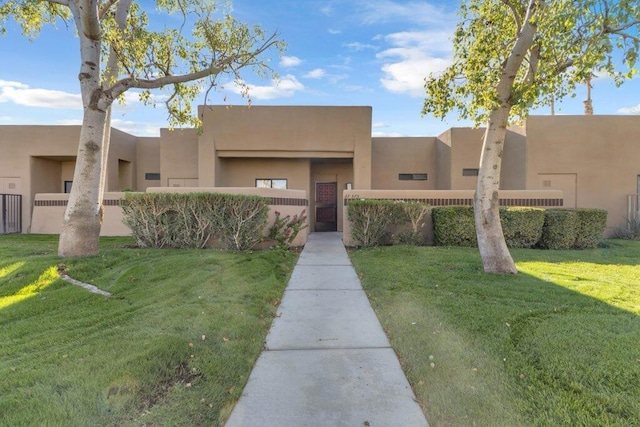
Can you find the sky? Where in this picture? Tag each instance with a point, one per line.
(339, 52)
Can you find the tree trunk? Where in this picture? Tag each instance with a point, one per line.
(493, 248)
(83, 217)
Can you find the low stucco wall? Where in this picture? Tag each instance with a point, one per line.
(538, 198)
(48, 209)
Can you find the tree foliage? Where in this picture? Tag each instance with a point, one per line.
(513, 55)
(206, 44)
(573, 38)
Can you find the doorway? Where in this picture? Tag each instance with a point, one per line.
(326, 202)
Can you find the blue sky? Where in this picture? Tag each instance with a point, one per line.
(340, 52)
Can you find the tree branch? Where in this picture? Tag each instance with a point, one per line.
(514, 12)
(105, 8)
(216, 67)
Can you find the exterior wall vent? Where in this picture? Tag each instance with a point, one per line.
(412, 176)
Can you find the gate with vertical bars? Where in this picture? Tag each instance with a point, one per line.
(10, 213)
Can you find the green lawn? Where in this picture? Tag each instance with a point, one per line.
(556, 345)
(174, 345)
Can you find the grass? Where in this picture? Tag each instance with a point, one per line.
(174, 345)
(558, 344)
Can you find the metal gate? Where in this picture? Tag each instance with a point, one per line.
(10, 213)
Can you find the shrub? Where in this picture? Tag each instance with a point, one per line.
(416, 212)
(370, 220)
(522, 227)
(161, 220)
(560, 229)
(592, 223)
(454, 226)
(240, 220)
(285, 229)
(629, 230)
(191, 220)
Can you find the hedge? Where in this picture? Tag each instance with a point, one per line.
(455, 226)
(592, 224)
(522, 227)
(560, 229)
(194, 220)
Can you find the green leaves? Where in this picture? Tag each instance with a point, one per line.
(191, 44)
(573, 39)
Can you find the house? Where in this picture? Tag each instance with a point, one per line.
(327, 154)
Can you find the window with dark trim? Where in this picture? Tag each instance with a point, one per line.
(470, 172)
(67, 186)
(412, 176)
(280, 183)
(152, 176)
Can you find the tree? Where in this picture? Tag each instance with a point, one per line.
(120, 51)
(513, 55)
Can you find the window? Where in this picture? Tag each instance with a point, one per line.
(412, 176)
(67, 186)
(469, 172)
(271, 183)
(152, 176)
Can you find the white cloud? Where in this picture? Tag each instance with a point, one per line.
(22, 94)
(290, 61)
(286, 87)
(412, 57)
(386, 134)
(318, 73)
(137, 128)
(630, 110)
(357, 46)
(334, 31)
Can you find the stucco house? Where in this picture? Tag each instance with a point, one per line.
(318, 157)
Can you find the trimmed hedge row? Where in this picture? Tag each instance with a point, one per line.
(455, 226)
(578, 228)
(194, 220)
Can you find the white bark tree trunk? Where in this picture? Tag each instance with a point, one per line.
(82, 219)
(493, 248)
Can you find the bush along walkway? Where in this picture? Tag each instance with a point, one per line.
(326, 360)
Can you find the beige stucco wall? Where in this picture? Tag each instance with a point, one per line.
(443, 161)
(179, 157)
(393, 156)
(147, 161)
(121, 162)
(48, 219)
(36, 153)
(460, 148)
(602, 152)
(285, 132)
(243, 172)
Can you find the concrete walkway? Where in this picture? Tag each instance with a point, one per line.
(327, 361)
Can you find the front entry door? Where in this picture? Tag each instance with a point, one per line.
(326, 206)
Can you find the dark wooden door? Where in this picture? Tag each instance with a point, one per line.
(326, 206)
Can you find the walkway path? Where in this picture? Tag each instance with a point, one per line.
(327, 361)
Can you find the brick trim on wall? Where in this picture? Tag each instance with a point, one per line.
(271, 201)
(469, 202)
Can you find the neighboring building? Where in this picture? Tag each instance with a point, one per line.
(324, 150)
